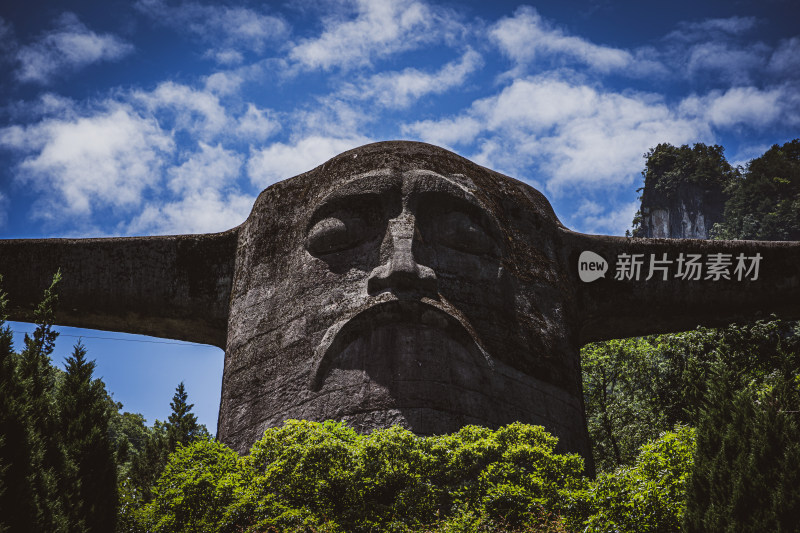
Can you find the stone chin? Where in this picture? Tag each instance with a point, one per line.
(402, 354)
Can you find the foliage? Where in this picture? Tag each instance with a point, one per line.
(151, 450)
(326, 477)
(15, 454)
(182, 426)
(635, 389)
(669, 167)
(308, 476)
(129, 434)
(37, 379)
(620, 386)
(62, 436)
(746, 475)
(648, 496)
(764, 203)
(89, 484)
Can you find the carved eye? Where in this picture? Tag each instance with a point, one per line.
(334, 234)
(458, 231)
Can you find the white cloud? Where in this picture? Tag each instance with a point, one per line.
(226, 56)
(380, 28)
(712, 28)
(205, 211)
(70, 47)
(224, 83)
(723, 61)
(280, 161)
(208, 199)
(748, 106)
(106, 159)
(228, 29)
(445, 132)
(594, 218)
(198, 112)
(85, 159)
(3, 209)
(212, 167)
(715, 51)
(228, 82)
(526, 36)
(785, 60)
(567, 134)
(329, 117)
(7, 41)
(537, 104)
(401, 89)
(257, 124)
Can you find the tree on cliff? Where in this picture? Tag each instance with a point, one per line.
(669, 168)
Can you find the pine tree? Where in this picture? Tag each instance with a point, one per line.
(746, 476)
(182, 426)
(15, 489)
(89, 486)
(38, 380)
(180, 429)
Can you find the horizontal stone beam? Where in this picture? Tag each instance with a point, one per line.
(175, 287)
(708, 283)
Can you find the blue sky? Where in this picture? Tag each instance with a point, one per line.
(165, 117)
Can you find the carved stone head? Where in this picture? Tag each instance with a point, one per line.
(399, 283)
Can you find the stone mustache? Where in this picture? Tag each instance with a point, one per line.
(398, 283)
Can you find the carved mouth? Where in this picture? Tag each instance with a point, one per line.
(427, 312)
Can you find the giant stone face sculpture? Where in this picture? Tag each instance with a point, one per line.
(400, 286)
(399, 283)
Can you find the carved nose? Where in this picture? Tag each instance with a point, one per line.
(402, 272)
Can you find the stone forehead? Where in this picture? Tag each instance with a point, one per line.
(492, 189)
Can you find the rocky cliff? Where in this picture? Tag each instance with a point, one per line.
(687, 212)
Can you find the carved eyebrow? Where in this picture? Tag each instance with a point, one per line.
(438, 184)
(361, 186)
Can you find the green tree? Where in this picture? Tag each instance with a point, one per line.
(182, 426)
(16, 497)
(650, 495)
(90, 485)
(150, 459)
(635, 389)
(764, 203)
(746, 476)
(128, 433)
(620, 387)
(38, 380)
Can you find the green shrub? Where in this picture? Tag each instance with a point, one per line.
(324, 477)
(308, 476)
(648, 496)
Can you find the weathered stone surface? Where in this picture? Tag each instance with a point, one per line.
(396, 283)
(688, 213)
(176, 287)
